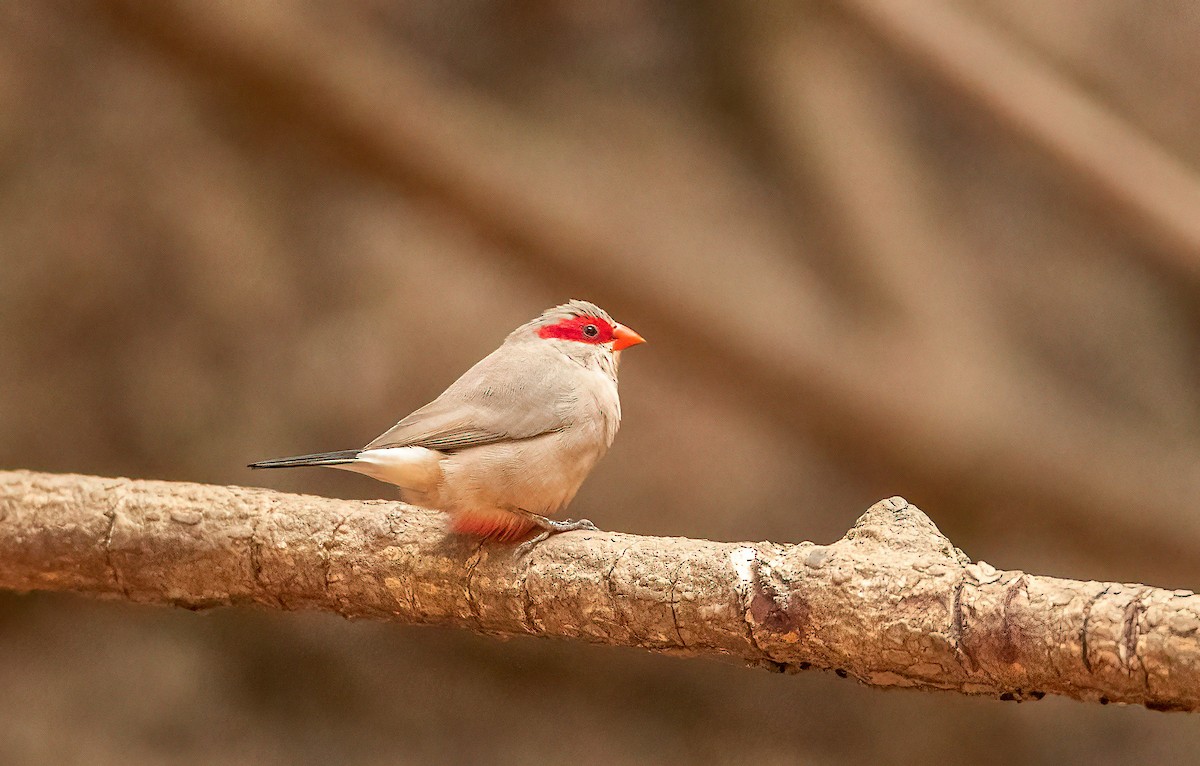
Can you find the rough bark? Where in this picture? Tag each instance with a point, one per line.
(893, 603)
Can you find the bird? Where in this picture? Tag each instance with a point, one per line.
(509, 443)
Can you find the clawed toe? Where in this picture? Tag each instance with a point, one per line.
(525, 548)
(551, 527)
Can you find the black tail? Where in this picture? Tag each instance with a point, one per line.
(321, 458)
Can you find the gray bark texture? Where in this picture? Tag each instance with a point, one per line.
(893, 603)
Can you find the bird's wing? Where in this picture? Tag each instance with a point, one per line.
(492, 402)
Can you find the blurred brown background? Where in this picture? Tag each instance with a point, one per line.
(949, 250)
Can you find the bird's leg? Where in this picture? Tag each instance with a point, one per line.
(550, 527)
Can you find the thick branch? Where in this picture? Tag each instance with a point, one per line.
(893, 603)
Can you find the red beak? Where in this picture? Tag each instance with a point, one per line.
(623, 338)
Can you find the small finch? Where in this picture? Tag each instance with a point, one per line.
(509, 443)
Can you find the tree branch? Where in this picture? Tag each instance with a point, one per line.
(893, 603)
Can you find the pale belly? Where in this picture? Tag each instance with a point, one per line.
(539, 475)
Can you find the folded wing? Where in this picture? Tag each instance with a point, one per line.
(488, 404)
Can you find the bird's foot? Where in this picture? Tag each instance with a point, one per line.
(552, 527)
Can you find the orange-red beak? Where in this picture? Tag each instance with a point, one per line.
(623, 337)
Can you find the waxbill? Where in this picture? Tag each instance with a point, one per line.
(509, 443)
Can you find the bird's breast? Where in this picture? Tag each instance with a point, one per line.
(598, 406)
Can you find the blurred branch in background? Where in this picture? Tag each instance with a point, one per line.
(841, 373)
(1145, 188)
(893, 603)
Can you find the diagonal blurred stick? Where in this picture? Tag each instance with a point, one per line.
(1152, 193)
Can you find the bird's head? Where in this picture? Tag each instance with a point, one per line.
(581, 329)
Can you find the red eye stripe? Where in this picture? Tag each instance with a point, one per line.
(575, 329)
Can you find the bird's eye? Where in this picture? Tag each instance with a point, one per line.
(591, 331)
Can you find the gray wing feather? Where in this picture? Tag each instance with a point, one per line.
(488, 404)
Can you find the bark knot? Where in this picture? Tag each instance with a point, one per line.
(784, 614)
(896, 524)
